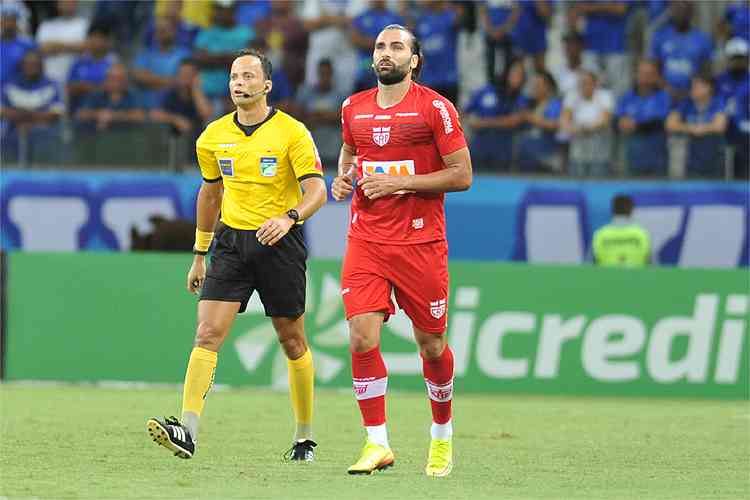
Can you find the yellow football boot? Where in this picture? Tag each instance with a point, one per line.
(374, 457)
(440, 461)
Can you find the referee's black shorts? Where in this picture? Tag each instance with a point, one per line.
(240, 265)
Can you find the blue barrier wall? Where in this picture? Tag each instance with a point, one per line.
(692, 223)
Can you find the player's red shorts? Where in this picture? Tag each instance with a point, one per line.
(418, 275)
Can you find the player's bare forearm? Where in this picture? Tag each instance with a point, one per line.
(208, 205)
(457, 176)
(346, 158)
(314, 196)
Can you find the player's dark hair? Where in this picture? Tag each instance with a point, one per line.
(416, 48)
(265, 62)
(622, 204)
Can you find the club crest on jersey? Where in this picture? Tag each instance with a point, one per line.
(381, 135)
(226, 165)
(437, 308)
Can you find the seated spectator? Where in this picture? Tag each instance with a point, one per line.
(155, 68)
(681, 50)
(185, 107)
(641, 114)
(733, 86)
(215, 49)
(586, 121)
(31, 104)
(13, 45)
(498, 19)
(605, 35)
(116, 105)
(437, 30)
(531, 30)
(703, 119)
(320, 105)
(185, 32)
(539, 149)
(495, 113)
(90, 70)
(61, 39)
(365, 28)
(736, 21)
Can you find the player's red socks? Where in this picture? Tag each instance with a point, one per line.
(438, 375)
(370, 379)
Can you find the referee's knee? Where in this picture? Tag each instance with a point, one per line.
(208, 336)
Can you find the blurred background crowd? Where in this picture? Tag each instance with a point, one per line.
(649, 88)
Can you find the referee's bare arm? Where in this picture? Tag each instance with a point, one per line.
(207, 213)
(314, 196)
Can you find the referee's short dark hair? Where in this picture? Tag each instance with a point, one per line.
(622, 204)
(265, 62)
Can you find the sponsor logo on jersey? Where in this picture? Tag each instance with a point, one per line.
(226, 165)
(437, 308)
(228, 145)
(447, 122)
(359, 117)
(407, 114)
(268, 166)
(382, 117)
(397, 167)
(381, 135)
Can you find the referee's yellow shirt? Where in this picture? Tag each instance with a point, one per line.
(261, 166)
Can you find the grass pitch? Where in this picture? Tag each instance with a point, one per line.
(86, 442)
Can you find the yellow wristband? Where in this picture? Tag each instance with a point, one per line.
(202, 240)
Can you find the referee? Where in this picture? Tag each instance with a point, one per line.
(262, 173)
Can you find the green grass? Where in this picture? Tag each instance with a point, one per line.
(85, 442)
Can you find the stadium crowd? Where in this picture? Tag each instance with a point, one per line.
(638, 88)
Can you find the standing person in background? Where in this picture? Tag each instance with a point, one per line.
(736, 21)
(567, 72)
(733, 86)
(215, 49)
(286, 38)
(89, 71)
(531, 30)
(586, 120)
(262, 173)
(539, 150)
(364, 29)
(407, 160)
(494, 113)
(703, 119)
(622, 242)
(604, 32)
(155, 68)
(61, 39)
(13, 45)
(641, 115)
(681, 50)
(437, 27)
(116, 105)
(498, 19)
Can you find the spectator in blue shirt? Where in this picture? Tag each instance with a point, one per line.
(681, 50)
(494, 113)
(155, 69)
(249, 12)
(282, 94)
(90, 70)
(531, 30)
(641, 114)
(116, 105)
(498, 19)
(185, 32)
(215, 49)
(736, 21)
(184, 107)
(733, 86)
(320, 104)
(32, 104)
(437, 30)
(703, 119)
(13, 45)
(365, 28)
(604, 34)
(539, 150)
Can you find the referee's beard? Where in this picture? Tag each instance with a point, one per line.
(394, 75)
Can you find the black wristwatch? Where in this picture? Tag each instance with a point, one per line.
(293, 214)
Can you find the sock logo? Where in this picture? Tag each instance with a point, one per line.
(367, 388)
(440, 392)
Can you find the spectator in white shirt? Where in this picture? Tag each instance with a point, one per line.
(61, 39)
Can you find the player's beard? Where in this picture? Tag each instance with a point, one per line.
(393, 75)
